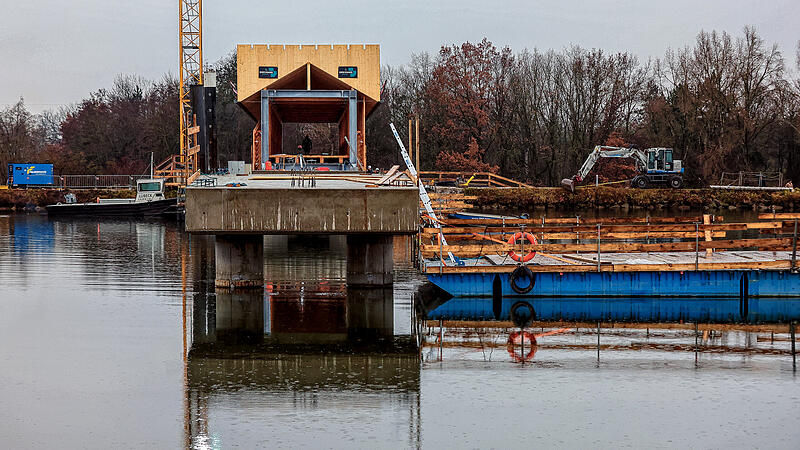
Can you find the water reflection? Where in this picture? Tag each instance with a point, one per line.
(304, 344)
(92, 316)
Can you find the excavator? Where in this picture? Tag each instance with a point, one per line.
(655, 165)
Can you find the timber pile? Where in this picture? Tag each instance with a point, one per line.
(613, 244)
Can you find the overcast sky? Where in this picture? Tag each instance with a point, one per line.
(56, 52)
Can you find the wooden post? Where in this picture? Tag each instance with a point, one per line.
(410, 141)
(707, 221)
(416, 152)
(308, 76)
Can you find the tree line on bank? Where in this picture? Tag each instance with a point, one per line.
(725, 103)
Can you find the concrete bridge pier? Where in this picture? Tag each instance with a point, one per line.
(370, 260)
(239, 261)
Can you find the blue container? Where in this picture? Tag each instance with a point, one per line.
(30, 174)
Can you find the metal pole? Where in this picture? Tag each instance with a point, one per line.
(598, 341)
(696, 245)
(441, 339)
(791, 336)
(794, 245)
(441, 258)
(598, 248)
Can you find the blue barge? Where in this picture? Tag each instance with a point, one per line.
(702, 283)
(763, 289)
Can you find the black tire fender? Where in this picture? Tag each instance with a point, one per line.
(519, 273)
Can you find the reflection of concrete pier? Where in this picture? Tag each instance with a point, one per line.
(324, 315)
(296, 345)
(337, 205)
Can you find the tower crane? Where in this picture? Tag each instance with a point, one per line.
(190, 33)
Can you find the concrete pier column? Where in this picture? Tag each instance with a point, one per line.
(239, 260)
(369, 260)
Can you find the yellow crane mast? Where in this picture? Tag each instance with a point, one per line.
(190, 28)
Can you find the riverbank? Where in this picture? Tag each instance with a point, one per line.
(31, 199)
(522, 199)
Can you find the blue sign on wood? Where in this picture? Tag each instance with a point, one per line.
(30, 174)
(267, 72)
(348, 72)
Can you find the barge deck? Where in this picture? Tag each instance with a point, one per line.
(625, 258)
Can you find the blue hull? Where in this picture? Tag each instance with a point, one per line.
(720, 283)
(716, 310)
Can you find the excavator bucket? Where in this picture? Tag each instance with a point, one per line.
(568, 184)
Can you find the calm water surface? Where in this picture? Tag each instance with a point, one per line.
(113, 336)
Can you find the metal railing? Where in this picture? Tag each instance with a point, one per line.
(756, 179)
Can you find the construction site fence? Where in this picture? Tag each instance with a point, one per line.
(758, 179)
(91, 182)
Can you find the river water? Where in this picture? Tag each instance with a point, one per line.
(113, 336)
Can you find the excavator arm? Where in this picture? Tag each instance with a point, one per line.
(603, 151)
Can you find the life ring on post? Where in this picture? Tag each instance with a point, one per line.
(513, 241)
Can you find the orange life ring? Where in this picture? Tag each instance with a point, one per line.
(515, 340)
(517, 236)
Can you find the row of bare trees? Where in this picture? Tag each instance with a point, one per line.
(725, 104)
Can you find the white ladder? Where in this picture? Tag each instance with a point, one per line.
(423, 194)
